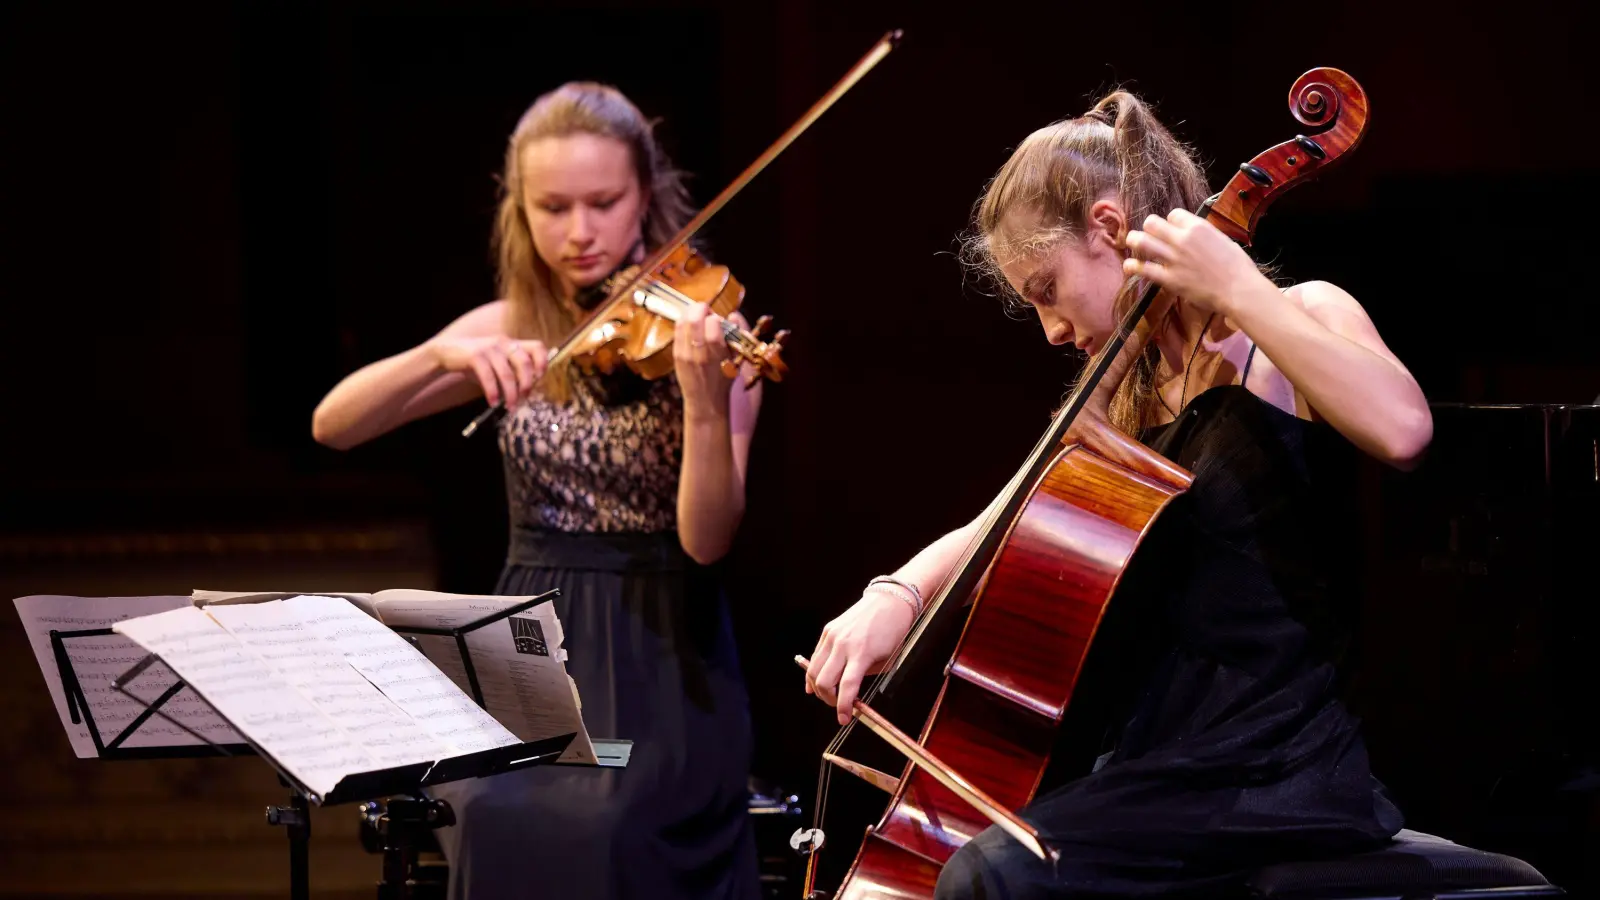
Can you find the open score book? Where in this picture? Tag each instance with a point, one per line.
(321, 682)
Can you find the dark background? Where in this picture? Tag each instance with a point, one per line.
(214, 211)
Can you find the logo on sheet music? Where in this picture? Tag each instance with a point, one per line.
(529, 636)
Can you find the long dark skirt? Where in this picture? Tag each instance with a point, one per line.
(650, 645)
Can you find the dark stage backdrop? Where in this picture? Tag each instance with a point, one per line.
(214, 211)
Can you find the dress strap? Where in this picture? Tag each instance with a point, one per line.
(1247, 361)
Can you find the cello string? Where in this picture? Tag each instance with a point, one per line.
(990, 517)
(1097, 366)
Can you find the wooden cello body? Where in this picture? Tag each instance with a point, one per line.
(997, 716)
(1037, 583)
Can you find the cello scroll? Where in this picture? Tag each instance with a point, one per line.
(1318, 98)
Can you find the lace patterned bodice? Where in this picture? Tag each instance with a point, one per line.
(607, 461)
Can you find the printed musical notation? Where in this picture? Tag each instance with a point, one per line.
(318, 683)
(316, 669)
(184, 720)
(303, 739)
(403, 674)
(518, 660)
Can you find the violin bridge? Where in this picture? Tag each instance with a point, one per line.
(881, 780)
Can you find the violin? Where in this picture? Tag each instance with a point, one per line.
(1015, 626)
(634, 325)
(636, 328)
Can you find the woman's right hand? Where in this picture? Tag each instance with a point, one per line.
(856, 645)
(506, 368)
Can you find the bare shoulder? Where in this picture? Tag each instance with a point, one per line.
(487, 320)
(1325, 301)
(1334, 309)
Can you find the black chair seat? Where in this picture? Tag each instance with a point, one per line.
(1415, 866)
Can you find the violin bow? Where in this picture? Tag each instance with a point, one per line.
(858, 71)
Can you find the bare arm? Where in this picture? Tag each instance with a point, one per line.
(463, 361)
(931, 567)
(1327, 347)
(1322, 340)
(863, 637)
(717, 431)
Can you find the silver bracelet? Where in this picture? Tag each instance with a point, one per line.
(916, 595)
(897, 592)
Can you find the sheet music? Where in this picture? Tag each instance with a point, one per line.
(98, 660)
(315, 668)
(518, 660)
(403, 674)
(287, 726)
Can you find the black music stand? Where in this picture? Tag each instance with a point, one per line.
(415, 813)
(406, 821)
(460, 633)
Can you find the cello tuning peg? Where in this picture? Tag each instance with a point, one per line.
(760, 326)
(1312, 148)
(1256, 174)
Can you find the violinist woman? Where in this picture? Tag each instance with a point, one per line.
(1233, 750)
(623, 493)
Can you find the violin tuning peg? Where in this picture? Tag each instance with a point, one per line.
(730, 367)
(751, 379)
(761, 325)
(780, 337)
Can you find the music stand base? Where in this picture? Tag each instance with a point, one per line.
(401, 825)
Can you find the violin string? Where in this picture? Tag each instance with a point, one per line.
(737, 335)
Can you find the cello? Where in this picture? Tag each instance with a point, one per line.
(1025, 603)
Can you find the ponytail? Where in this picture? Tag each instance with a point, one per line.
(1116, 148)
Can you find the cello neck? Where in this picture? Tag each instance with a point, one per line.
(975, 561)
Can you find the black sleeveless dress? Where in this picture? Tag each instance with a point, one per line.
(1234, 750)
(592, 487)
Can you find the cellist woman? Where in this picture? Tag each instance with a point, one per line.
(1233, 750)
(623, 492)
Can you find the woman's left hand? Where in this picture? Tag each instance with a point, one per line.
(1190, 258)
(698, 349)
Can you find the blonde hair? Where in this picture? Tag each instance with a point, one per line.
(524, 279)
(1117, 149)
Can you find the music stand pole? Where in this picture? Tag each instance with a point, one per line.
(296, 817)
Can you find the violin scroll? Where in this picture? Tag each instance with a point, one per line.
(1325, 99)
(765, 356)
